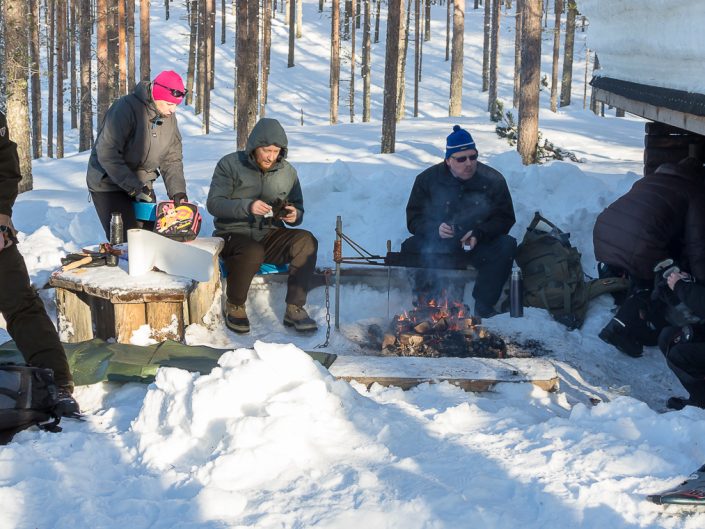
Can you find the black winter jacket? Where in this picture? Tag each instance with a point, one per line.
(135, 145)
(10, 174)
(481, 204)
(238, 181)
(662, 216)
(693, 295)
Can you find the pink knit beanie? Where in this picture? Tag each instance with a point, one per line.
(168, 86)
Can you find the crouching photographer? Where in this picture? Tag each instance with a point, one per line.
(684, 345)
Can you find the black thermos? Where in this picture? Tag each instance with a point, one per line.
(115, 237)
(516, 298)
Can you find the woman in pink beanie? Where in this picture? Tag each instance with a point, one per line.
(137, 142)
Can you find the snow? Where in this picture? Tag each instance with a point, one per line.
(648, 42)
(270, 439)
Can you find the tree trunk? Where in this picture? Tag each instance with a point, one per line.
(266, 53)
(202, 63)
(456, 63)
(417, 55)
(401, 83)
(379, 8)
(86, 130)
(211, 48)
(449, 7)
(122, 48)
(36, 87)
(292, 34)
(486, 46)
(528, 128)
(585, 85)
(567, 79)
(192, 45)
(130, 37)
(517, 54)
(51, 25)
(391, 76)
(366, 64)
(427, 19)
(494, 58)
(299, 18)
(209, 12)
(222, 22)
(16, 32)
(72, 41)
(247, 54)
(556, 55)
(102, 63)
(334, 60)
(113, 52)
(145, 68)
(60, 41)
(352, 63)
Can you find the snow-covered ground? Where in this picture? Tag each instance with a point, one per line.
(269, 439)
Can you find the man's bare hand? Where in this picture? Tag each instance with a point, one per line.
(674, 277)
(446, 231)
(469, 240)
(5, 241)
(258, 207)
(291, 215)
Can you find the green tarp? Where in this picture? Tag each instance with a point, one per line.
(96, 360)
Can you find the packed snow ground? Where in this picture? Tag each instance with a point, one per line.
(269, 439)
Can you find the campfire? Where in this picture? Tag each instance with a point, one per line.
(434, 329)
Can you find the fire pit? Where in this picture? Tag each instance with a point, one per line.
(434, 329)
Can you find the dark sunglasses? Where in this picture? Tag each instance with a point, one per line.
(463, 159)
(174, 91)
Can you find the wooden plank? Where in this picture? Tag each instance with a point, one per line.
(74, 316)
(160, 316)
(128, 318)
(471, 374)
(202, 296)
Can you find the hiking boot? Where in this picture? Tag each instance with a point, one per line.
(236, 318)
(298, 318)
(615, 334)
(484, 311)
(66, 405)
(678, 403)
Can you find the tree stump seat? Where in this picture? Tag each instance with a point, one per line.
(106, 302)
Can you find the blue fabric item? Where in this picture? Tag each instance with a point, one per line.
(459, 140)
(145, 211)
(264, 269)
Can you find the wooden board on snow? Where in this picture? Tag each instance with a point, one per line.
(470, 374)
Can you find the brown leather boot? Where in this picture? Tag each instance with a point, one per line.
(236, 318)
(298, 318)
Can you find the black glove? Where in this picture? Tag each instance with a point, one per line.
(179, 198)
(144, 195)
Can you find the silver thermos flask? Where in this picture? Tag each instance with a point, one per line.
(516, 298)
(115, 237)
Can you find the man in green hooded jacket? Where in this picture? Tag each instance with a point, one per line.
(254, 195)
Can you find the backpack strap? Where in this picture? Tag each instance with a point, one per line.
(597, 287)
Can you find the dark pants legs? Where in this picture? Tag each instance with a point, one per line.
(120, 202)
(243, 257)
(492, 260)
(27, 320)
(687, 361)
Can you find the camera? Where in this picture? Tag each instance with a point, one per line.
(279, 210)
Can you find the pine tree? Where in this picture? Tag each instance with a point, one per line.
(530, 81)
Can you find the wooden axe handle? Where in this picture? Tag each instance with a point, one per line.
(76, 264)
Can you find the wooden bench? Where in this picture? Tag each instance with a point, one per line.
(105, 302)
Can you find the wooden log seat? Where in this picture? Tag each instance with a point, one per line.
(106, 302)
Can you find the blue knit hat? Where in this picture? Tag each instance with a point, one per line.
(459, 140)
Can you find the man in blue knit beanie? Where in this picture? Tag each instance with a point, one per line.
(461, 208)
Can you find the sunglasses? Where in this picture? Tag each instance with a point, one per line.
(174, 91)
(463, 159)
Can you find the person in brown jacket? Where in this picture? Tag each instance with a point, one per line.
(27, 320)
(138, 141)
(662, 216)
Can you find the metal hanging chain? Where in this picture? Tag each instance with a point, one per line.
(326, 274)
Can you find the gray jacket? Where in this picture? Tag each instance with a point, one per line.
(238, 181)
(134, 146)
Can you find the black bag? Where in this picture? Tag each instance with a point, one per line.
(553, 276)
(28, 396)
(181, 223)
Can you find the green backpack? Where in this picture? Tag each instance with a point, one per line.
(553, 276)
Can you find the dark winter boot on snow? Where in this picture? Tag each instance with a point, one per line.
(615, 334)
(236, 318)
(298, 318)
(66, 405)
